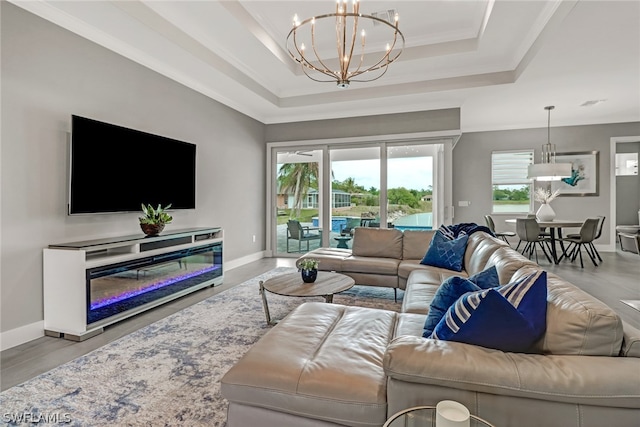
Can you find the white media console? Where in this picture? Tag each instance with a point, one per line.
(91, 284)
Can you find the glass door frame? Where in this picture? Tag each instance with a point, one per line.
(443, 175)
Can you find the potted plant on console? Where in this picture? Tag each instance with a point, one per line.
(154, 220)
(309, 269)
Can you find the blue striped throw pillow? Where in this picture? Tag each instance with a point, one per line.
(508, 318)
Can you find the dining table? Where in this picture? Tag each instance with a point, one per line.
(555, 227)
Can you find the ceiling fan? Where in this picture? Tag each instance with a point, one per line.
(308, 153)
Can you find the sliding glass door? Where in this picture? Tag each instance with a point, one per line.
(355, 192)
(319, 194)
(410, 189)
(297, 201)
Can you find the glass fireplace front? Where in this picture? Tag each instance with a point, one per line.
(117, 288)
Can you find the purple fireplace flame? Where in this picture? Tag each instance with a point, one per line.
(152, 287)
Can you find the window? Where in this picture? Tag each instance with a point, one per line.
(511, 189)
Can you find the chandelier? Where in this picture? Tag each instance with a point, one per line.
(349, 63)
(548, 169)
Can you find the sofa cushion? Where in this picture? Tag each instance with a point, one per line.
(370, 265)
(407, 266)
(330, 258)
(377, 242)
(409, 324)
(577, 323)
(509, 318)
(452, 289)
(415, 243)
(479, 249)
(446, 253)
(507, 262)
(416, 299)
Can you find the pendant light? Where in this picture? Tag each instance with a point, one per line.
(548, 169)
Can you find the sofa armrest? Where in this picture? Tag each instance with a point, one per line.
(606, 381)
(630, 341)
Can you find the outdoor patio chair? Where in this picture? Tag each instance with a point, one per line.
(296, 231)
(349, 227)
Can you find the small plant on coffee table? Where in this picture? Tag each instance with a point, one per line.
(309, 269)
(308, 264)
(154, 219)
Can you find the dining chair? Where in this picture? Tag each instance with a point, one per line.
(499, 234)
(588, 233)
(598, 234)
(529, 232)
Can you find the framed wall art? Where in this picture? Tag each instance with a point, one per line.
(584, 179)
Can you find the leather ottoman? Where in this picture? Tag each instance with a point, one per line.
(322, 362)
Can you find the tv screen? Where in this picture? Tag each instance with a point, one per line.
(115, 169)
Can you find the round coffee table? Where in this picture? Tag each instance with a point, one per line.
(291, 285)
(425, 416)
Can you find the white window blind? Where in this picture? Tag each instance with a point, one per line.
(510, 167)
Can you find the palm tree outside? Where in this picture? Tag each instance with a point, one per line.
(298, 178)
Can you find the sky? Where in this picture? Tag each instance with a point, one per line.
(413, 173)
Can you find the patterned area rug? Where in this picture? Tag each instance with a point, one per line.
(167, 373)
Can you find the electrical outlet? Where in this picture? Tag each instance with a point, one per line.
(254, 238)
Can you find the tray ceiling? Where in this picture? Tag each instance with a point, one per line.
(500, 62)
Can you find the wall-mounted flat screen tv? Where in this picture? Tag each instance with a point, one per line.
(116, 169)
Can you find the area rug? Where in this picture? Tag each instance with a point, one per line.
(167, 373)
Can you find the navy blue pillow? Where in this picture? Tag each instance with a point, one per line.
(446, 295)
(452, 289)
(508, 318)
(487, 278)
(446, 253)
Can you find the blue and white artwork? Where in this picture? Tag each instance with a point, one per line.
(584, 174)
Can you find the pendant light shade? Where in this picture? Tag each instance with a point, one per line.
(548, 169)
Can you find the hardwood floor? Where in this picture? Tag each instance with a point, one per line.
(616, 278)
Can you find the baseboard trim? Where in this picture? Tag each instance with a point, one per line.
(21, 335)
(239, 262)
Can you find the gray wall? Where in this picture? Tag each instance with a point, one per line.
(48, 74)
(627, 189)
(386, 124)
(472, 169)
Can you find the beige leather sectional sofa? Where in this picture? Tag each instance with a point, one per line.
(332, 365)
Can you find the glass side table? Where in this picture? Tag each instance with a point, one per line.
(425, 416)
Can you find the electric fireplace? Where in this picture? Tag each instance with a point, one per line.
(124, 286)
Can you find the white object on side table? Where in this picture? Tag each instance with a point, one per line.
(451, 414)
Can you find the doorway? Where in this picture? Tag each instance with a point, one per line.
(615, 147)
